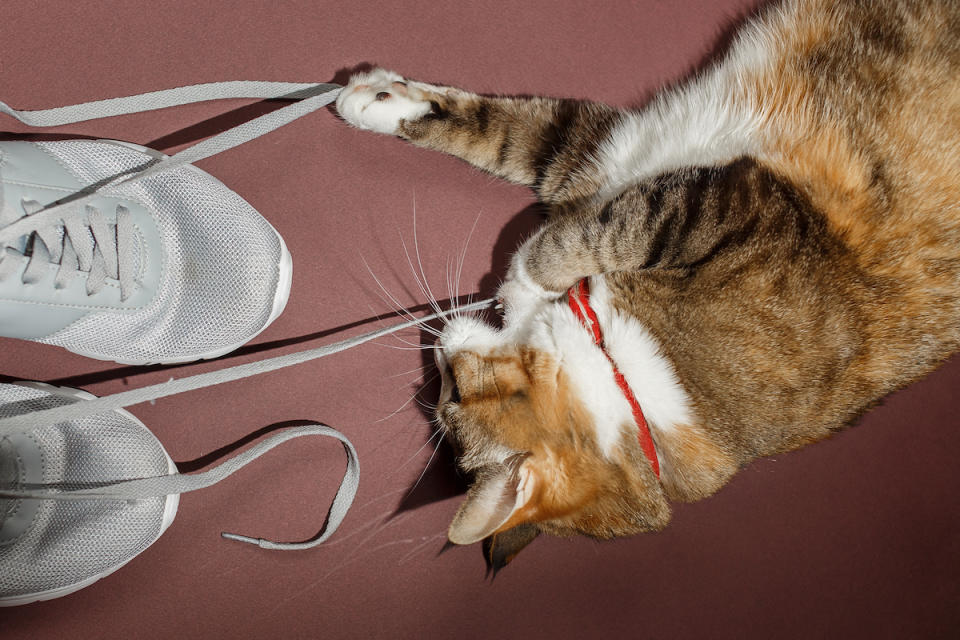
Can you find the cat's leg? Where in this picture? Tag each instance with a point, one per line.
(548, 144)
(590, 240)
(676, 221)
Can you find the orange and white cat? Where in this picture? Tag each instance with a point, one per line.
(739, 268)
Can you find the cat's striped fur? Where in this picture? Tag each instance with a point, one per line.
(781, 232)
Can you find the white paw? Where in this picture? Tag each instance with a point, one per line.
(379, 100)
(522, 298)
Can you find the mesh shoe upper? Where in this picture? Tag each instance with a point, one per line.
(49, 545)
(216, 282)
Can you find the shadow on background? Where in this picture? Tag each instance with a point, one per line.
(219, 455)
(7, 136)
(195, 132)
(128, 371)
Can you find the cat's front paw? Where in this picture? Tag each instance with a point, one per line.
(379, 100)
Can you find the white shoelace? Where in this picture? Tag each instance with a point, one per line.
(311, 97)
(179, 483)
(84, 243)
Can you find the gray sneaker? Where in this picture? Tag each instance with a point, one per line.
(170, 268)
(49, 548)
(83, 496)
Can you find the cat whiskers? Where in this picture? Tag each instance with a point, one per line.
(455, 294)
(421, 369)
(423, 285)
(439, 431)
(414, 397)
(421, 279)
(398, 308)
(411, 346)
(436, 432)
(427, 406)
(454, 276)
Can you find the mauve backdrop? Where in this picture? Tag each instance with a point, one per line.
(856, 537)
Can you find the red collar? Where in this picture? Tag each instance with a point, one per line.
(579, 299)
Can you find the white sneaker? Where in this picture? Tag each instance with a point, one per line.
(50, 548)
(82, 497)
(170, 268)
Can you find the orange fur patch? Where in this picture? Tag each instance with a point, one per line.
(519, 398)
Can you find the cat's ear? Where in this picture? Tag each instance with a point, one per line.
(498, 494)
(500, 548)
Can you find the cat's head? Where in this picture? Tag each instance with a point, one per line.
(518, 417)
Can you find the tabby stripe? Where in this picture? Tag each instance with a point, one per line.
(553, 140)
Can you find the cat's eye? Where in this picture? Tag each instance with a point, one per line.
(455, 393)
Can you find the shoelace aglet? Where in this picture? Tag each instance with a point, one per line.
(239, 538)
(263, 543)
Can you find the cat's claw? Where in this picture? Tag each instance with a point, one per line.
(379, 100)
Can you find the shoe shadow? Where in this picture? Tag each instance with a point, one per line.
(189, 466)
(129, 371)
(11, 136)
(218, 124)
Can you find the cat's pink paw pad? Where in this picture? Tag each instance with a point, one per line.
(378, 100)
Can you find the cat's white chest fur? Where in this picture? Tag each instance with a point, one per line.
(637, 354)
(649, 373)
(708, 122)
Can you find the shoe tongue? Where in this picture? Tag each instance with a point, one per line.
(21, 464)
(139, 250)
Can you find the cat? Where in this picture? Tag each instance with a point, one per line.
(739, 268)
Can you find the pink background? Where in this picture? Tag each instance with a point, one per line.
(857, 537)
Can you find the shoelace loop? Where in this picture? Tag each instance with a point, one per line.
(308, 96)
(177, 483)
